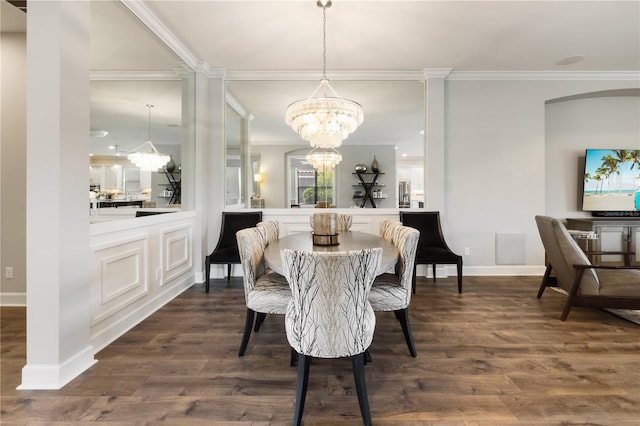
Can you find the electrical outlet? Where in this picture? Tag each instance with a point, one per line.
(8, 272)
(467, 251)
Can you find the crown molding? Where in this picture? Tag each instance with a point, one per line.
(431, 73)
(233, 103)
(284, 75)
(138, 8)
(138, 75)
(545, 75)
(206, 69)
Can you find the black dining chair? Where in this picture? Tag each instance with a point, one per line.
(432, 247)
(226, 251)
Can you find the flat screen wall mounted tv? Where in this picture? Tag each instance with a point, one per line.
(611, 182)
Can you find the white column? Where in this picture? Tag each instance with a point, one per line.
(435, 138)
(209, 159)
(58, 314)
(217, 161)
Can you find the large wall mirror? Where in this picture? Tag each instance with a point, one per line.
(392, 133)
(139, 91)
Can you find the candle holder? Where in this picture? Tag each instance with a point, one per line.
(324, 227)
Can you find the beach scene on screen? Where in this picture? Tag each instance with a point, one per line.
(611, 180)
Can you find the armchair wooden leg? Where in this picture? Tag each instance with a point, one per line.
(434, 272)
(545, 281)
(460, 276)
(304, 362)
(572, 294)
(248, 324)
(361, 387)
(228, 271)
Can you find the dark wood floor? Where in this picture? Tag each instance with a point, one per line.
(494, 355)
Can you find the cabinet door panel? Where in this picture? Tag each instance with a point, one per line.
(635, 244)
(612, 238)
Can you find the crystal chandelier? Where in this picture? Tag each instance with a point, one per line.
(323, 158)
(324, 119)
(148, 161)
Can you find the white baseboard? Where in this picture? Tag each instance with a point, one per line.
(54, 377)
(444, 271)
(13, 299)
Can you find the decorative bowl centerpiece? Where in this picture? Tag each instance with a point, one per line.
(360, 168)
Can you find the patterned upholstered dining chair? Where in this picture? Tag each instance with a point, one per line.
(272, 232)
(329, 315)
(388, 228)
(392, 291)
(265, 292)
(343, 222)
(272, 229)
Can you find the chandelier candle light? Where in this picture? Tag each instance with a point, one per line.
(324, 158)
(324, 119)
(148, 161)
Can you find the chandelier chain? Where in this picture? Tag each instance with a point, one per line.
(324, 43)
(324, 119)
(149, 122)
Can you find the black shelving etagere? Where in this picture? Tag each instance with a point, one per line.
(369, 183)
(175, 183)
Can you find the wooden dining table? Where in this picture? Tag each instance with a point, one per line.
(349, 240)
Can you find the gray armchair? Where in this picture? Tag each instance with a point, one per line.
(586, 284)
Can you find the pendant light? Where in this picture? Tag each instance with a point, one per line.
(148, 161)
(324, 119)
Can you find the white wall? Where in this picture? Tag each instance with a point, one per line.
(572, 126)
(495, 173)
(13, 140)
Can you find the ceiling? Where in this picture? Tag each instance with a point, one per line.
(362, 36)
(408, 35)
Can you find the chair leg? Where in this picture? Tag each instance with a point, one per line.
(403, 316)
(248, 324)
(259, 320)
(434, 272)
(367, 357)
(545, 281)
(294, 358)
(413, 280)
(361, 387)
(460, 275)
(301, 392)
(207, 273)
(572, 294)
(228, 271)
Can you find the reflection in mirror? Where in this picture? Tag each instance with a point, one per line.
(233, 159)
(392, 131)
(309, 187)
(257, 176)
(126, 77)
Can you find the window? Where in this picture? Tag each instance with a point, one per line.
(308, 186)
